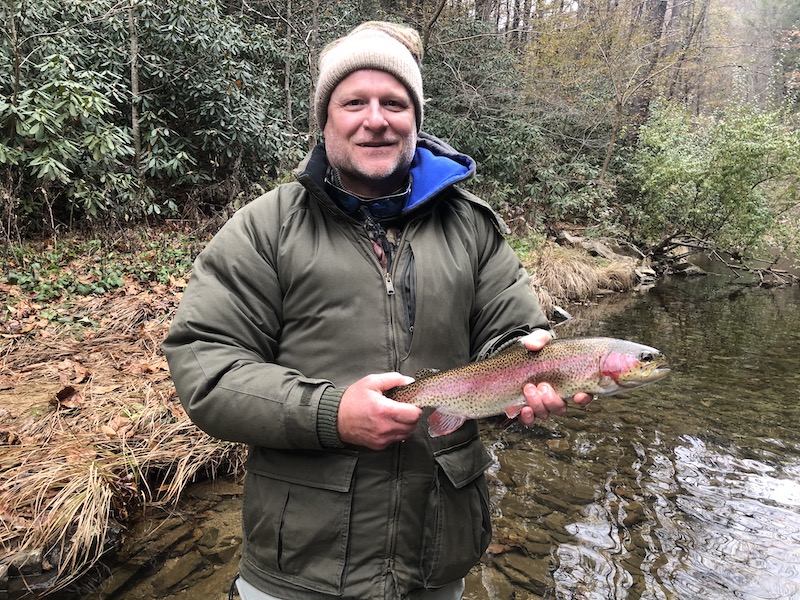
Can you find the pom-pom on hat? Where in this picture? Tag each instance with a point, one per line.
(391, 47)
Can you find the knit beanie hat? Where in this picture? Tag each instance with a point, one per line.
(391, 47)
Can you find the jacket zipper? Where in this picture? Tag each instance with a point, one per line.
(387, 279)
(399, 448)
(390, 567)
(379, 237)
(387, 276)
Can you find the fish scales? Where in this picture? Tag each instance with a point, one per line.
(598, 366)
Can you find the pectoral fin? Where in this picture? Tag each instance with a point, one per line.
(441, 423)
(514, 410)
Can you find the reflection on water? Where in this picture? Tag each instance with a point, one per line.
(689, 488)
(742, 515)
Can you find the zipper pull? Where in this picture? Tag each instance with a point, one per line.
(389, 285)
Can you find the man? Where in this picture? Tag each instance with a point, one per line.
(320, 296)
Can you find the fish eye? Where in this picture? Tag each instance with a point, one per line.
(645, 357)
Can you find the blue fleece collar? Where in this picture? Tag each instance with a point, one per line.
(431, 173)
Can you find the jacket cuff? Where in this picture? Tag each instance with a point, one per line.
(327, 418)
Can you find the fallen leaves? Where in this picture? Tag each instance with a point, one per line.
(8, 437)
(71, 371)
(88, 412)
(68, 397)
(16, 327)
(70, 374)
(21, 318)
(117, 426)
(6, 382)
(153, 365)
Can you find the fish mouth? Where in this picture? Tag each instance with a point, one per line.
(659, 373)
(649, 373)
(653, 367)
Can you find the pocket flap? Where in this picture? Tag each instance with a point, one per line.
(324, 470)
(465, 462)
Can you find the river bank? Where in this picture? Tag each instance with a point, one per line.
(95, 441)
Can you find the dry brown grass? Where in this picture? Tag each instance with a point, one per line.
(561, 275)
(75, 469)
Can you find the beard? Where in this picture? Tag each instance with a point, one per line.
(372, 171)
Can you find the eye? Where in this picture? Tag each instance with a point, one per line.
(396, 105)
(645, 357)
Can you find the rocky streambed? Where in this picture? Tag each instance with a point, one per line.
(190, 551)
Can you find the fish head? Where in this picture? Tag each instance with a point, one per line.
(633, 365)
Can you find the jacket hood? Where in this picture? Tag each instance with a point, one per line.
(435, 167)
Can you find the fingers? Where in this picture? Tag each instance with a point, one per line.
(405, 414)
(368, 418)
(542, 399)
(536, 339)
(386, 381)
(542, 402)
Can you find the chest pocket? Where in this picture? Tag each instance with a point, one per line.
(439, 274)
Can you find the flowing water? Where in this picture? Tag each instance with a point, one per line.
(689, 488)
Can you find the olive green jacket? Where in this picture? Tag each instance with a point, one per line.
(286, 307)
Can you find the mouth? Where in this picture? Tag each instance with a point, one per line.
(383, 144)
(656, 373)
(651, 375)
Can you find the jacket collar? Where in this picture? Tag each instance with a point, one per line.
(436, 166)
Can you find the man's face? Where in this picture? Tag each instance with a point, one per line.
(371, 133)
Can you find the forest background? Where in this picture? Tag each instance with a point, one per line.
(657, 121)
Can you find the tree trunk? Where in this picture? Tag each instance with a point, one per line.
(287, 65)
(612, 143)
(313, 53)
(134, 57)
(686, 44)
(639, 106)
(484, 10)
(431, 22)
(525, 24)
(12, 31)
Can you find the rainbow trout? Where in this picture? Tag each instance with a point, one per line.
(595, 365)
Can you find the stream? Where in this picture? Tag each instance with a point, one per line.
(689, 488)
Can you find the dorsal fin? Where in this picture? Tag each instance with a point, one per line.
(423, 373)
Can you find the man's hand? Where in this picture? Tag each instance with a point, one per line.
(368, 418)
(542, 398)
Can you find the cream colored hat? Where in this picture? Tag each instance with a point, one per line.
(390, 47)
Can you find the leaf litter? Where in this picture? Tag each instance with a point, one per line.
(91, 431)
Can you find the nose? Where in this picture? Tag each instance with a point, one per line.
(375, 118)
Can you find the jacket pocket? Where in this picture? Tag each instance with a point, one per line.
(296, 513)
(458, 524)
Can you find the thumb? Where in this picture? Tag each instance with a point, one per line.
(406, 414)
(537, 339)
(388, 381)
